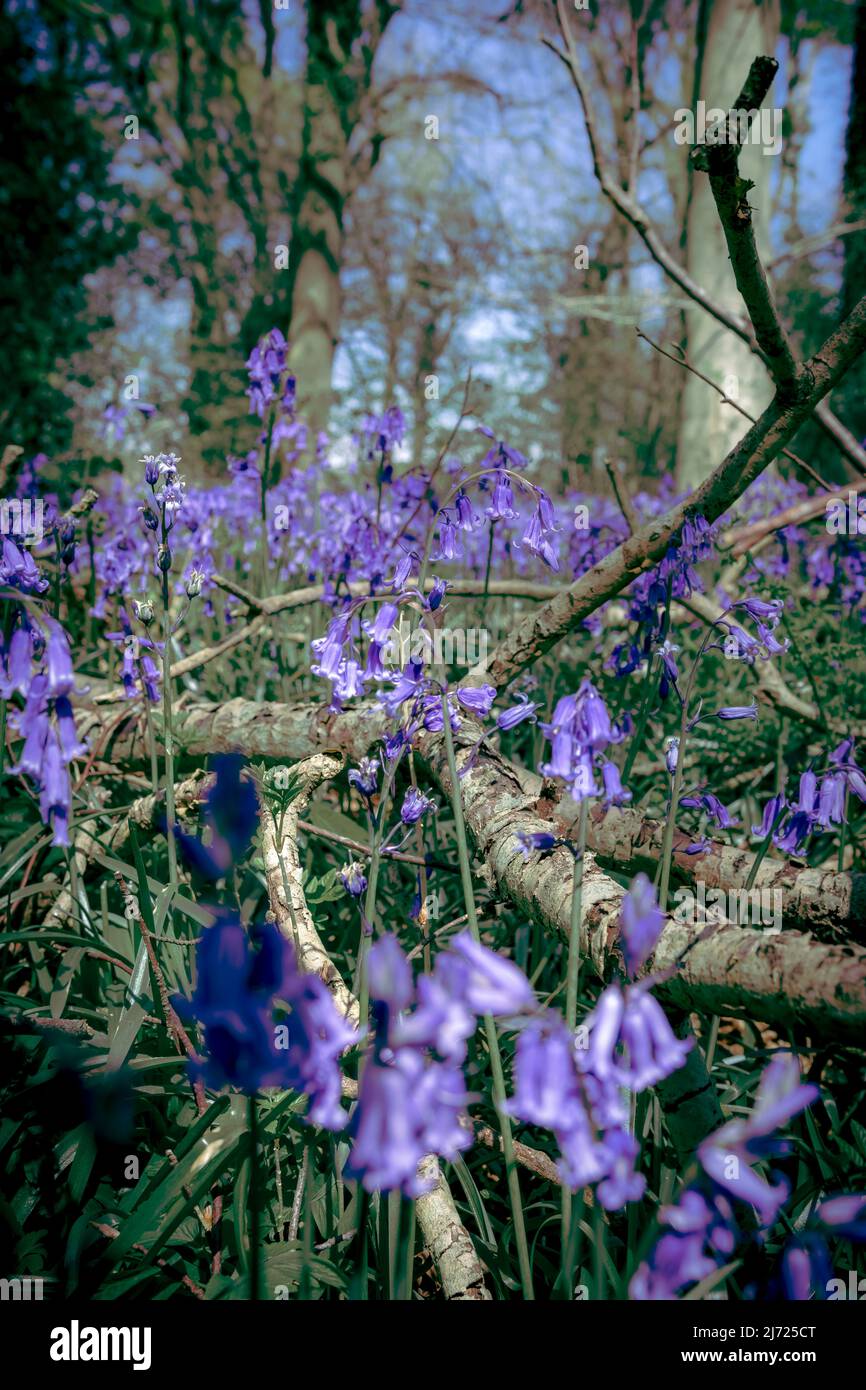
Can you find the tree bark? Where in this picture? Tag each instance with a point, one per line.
(730, 33)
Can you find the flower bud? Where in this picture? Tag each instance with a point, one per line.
(144, 611)
(194, 581)
(163, 558)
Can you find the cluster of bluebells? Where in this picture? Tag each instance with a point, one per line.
(272, 394)
(806, 1270)
(576, 1084)
(409, 694)
(579, 732)
(412, 1095)
(459, 519)
(242, 977)
(820, 803)
(700, 1231)
(168, 492)
(266, 1023)
(650, 594)
(36, 666)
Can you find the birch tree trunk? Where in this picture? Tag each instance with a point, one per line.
(730, 34)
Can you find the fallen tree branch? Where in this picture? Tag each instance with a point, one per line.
(284, 879)
(788, 979)
(831, 903)
(458, 1266)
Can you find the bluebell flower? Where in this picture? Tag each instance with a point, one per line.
(432, 601)
(516, 714)
(831, 801)
(844, 1215)
(641, 924)
(479, 699)
(415, 805)
(737, 712)
(780, 1096)
(353, 878)
(405, 686)
(365, 776)
(536, 841)
(484, 980)
(772, 810)
(614, 792)
(716, 811)
(501, 499)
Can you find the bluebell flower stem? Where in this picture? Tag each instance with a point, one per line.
(254, 1204)
(358, 1284)
(167, 732)
(569, 1200)
(842, 834)
(670, 823)
(369, 908)
(498, 1076)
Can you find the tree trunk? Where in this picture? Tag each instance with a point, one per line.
(730, 34)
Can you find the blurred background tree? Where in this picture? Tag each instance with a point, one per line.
(408, 194)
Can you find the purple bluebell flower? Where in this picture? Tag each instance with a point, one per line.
(831, 800)
(621, 1184)
(844, 1215)
(450, 547)
(479, 699)
(365, 776)
(501, 499)
(762, 610)
(516, 714)
(737, 712)
(15, 676)
(388, 1127)
(772, 810)
(716, 811)
(484, 980)
(407, 565)
(71, 746)
(353, 878)
(236, 988)
(467, 519)
(780, 1097)
(740, 645)
(436, 594)
(405, 686)
(805, 1268)
(642, 922)
(546, 1082)
(61, 677)
(614, 792)
(537, 540)
(670, 670)
(440, 1021)
(386, 616)
(415, 805)
(390, 974)
(794, 833)
(536, 841)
